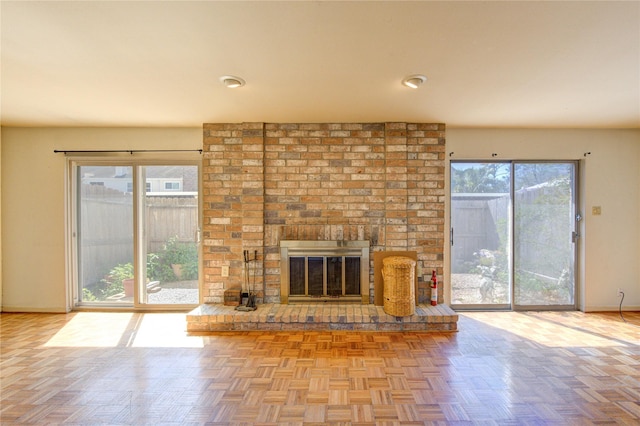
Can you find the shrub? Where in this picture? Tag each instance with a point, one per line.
(181, 253)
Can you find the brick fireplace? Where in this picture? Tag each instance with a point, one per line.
(268, 182)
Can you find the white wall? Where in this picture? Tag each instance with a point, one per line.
(0, 221)
(33, 204)
(610, 244)
(33, 216)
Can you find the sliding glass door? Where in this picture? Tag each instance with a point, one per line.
(513, 235)
(545, 233)
(169, 235)
(481, 235)
(136, 232)
(104, 234)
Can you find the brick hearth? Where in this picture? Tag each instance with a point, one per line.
(321, 316)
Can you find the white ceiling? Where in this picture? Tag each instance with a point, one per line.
(489, 64)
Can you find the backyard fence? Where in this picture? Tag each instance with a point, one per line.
(543, 229)
(106, 227)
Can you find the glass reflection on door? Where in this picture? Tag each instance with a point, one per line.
(170, 235)
(544, 234)
(480, 221)
(104, 229)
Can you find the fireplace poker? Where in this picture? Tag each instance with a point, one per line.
(246, 271)
(251, 300)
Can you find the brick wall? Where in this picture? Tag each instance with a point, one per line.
(263, 182)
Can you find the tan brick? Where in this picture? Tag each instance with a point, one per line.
(316, 181)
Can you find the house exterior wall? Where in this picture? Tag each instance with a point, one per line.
(264, 182)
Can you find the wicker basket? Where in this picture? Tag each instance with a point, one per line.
(398, 275)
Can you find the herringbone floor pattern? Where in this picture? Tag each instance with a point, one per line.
(500, 368)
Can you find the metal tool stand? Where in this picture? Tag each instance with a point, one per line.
(249, 264)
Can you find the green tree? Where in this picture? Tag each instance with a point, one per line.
(533, 174)
(480, 178)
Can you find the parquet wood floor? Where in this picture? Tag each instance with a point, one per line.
(500, 368)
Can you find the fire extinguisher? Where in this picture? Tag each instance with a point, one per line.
(434, 288)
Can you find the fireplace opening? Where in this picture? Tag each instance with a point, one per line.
(324, 271)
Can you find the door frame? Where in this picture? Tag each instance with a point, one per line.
(73, 161)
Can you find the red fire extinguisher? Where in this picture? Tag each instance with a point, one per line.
(434, 288)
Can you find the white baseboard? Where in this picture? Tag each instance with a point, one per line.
(31, 309)
(611, 308)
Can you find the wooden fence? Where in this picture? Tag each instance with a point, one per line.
(106, 227)
(543, 234)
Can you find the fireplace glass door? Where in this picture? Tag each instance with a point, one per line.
(324, 276)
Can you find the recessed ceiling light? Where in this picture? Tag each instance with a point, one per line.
(414, 81)
(231, 81)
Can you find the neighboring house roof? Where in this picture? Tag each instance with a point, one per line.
(187, 174)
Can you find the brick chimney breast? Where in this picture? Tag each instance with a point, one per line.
(266, 182)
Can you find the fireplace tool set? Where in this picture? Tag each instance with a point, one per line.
(249, 290)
